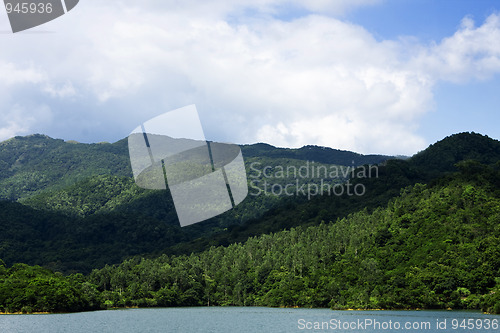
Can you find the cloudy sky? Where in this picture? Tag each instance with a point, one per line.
(372, 76)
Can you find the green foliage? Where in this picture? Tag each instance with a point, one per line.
(99, 194)
(30, 289)
(36, 163)
(443, 155)
(403, 244)
(318, 154)
(432, 247)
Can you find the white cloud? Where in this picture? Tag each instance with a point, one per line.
(471, 53)
(19, 121)
(12, 74)
(63, 91)
(314, 80)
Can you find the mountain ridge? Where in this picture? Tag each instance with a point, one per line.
(35, 163)
(120, 206)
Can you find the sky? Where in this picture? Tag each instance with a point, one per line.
(370, 76)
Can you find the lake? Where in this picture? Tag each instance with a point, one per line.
(251, 319)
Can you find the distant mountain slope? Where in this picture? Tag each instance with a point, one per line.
(443, 155)
(94, 195)
(106, 193)
(432, 247)
(313, 153)
(105, 218)
(32, 164)
(429, 165)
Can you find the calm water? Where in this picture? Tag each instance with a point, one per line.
(237, 319)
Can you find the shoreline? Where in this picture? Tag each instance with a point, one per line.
(219, 306)
(27, 313)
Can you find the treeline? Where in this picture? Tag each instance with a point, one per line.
(28, 289)
(435, 247)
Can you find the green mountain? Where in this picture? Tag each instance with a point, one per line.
(420, 233)
(36, 163)
(431, 247)
(88, 211)
(33, 164)
(391, 177)
(445, 154)
(313, 153)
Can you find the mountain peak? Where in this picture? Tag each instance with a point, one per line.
(444, 154)
(32, 140)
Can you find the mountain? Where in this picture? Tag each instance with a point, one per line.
(392, 176)
(419, 233)
(105, 218)
(443, 155)
(431, 247)
(313, 153)
(36, 163)
(87, 210)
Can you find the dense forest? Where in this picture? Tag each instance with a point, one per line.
(28, 289)
(72, 222)
(431, 247)
(37, 163)
(425, 235)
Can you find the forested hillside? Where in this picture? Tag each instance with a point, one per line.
(312, 153)
(434, 246)
(431, 247)
(81, 209)
(392, 176)
(35, 163)
(28, 289)
(424, 234)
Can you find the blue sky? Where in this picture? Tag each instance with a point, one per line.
(473, 106)
(428, 20)
(372, 76)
